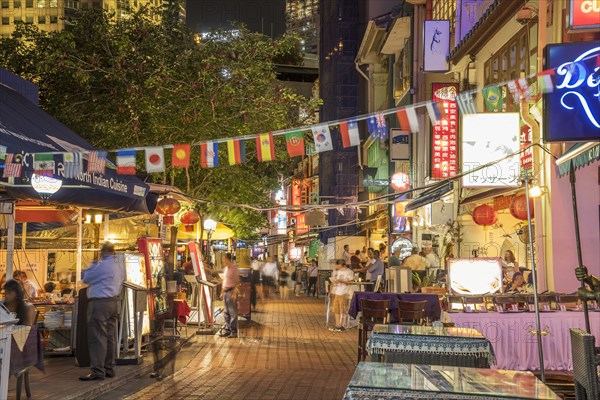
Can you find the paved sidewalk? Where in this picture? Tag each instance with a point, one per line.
(285, 352)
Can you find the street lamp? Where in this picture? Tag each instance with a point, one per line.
(45, 186)
(209, 226)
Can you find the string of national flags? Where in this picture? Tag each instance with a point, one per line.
(377, 125)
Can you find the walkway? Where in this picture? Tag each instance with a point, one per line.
(285, 352)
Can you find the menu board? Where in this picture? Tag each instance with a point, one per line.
(135, 272)
(444, 141)
(152, 250)
(200, 272)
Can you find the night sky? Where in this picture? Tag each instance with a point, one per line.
(266, 16)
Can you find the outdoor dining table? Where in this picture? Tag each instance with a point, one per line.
(414, 344)
(432, 309)
(374, 381)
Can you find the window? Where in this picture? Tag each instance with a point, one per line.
(4, 3)
(41, 3)
(53, 19)
(41, 19)
(29, 19)
(29, 3)
(445, 9)
(17, 4)
(53, 3)
(17, 19)
(5, 20)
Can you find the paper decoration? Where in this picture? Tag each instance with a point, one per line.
(96, 162)
(295, 143)
(11, 169)
(435, 111)
(43, 164)
(209, 155)
(236, 149)
(126, 162)
(349, 133)
(466, 104)
(377, 127)
(322, 138)
(265, 147)
(155, 159)
(407, 118)
(180, 156)
(73, 164)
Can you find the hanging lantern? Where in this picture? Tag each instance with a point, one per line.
(485, 215)
(167, 207)
(518, 207)
(189, 218)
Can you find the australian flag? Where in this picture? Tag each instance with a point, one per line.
(377, 126)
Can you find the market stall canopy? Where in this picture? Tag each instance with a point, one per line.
(581, 154)
(429, 196)
(222, 232)
(25, 129)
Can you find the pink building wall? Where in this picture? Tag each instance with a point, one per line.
(564, 251)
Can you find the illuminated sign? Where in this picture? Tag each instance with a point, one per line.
(491, 138)
(470, 276)
(400, 219)
(436, 45)
(571, 111)
(584, 15)
(444, 141)
(400, 181)
(301, 226)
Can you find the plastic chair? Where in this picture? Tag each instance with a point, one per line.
(586, 359)
(412, 312)
(373, 312)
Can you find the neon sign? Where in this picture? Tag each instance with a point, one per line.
(572, 112)
(584, 15)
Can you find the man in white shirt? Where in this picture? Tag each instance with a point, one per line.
(346, 256)
(433, 259)
(270, 276)
(30, 288)
(415, 261)
(341, 276)
(313, 275)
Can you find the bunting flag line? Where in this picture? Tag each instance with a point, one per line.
(466, 104)
(436, 113)
(96, 162)
(11, 169)
(73, 164)
(322, 138)
(126, 162)
(408, 120)
(2, 153)
(545, 81)
(377, 126)
(236, 149)
(492, 97)
(265, 148)
(295, 143)
(155, 159)
(180, 156)
(520, 89)
(209, 155)
(350, 134)
(43, 164)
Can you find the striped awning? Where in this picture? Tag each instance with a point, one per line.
(580, 155)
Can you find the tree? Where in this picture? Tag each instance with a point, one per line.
(135, 82)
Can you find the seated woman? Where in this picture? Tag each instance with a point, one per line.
(14, 300)
(518, 284)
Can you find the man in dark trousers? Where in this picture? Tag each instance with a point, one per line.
(231, 280)
(104, 279)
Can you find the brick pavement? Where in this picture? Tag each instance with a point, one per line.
(285, 352)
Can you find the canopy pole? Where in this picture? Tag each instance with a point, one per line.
(538, 324)
(79, 246)
(10, 244)
(578, 239)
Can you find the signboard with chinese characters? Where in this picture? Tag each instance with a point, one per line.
(584, 15)
(571, 111)
(444, 140)
(301, 226)
(527, 154)
(437, 45)
(491, 138)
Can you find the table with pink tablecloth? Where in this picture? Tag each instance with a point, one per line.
(516, 347)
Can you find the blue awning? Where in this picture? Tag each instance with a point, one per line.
(579, 155)
(429, 196)
(25, 129)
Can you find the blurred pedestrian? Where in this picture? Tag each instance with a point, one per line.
(283, 284)
(231, 279)
(270, 276)
(313, 275)
(341, 276)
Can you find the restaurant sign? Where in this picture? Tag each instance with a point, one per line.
(444, 141)
(571, 111)
(584, 15)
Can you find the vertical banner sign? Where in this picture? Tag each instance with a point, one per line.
(155, 274)
(584, 15)
(444, 140)
(200, 272)
(437, 46)
(526, 155)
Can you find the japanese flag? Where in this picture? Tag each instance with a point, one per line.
(155, 159)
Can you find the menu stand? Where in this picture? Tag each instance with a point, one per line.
(208, 326)
(140, 302)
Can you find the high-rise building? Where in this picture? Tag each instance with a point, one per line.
(51, 15)
(302, 17)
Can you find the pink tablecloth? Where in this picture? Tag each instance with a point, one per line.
(516, 349)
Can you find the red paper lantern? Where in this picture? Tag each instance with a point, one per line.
(189, 218)
(167, 207)
(518, 207)
(485, 215)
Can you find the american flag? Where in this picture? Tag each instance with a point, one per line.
(96, 162)
(11, 169)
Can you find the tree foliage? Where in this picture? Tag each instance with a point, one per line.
(136, 82)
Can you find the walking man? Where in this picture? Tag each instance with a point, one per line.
(104, 279)
(313, 275)
(230, 294)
